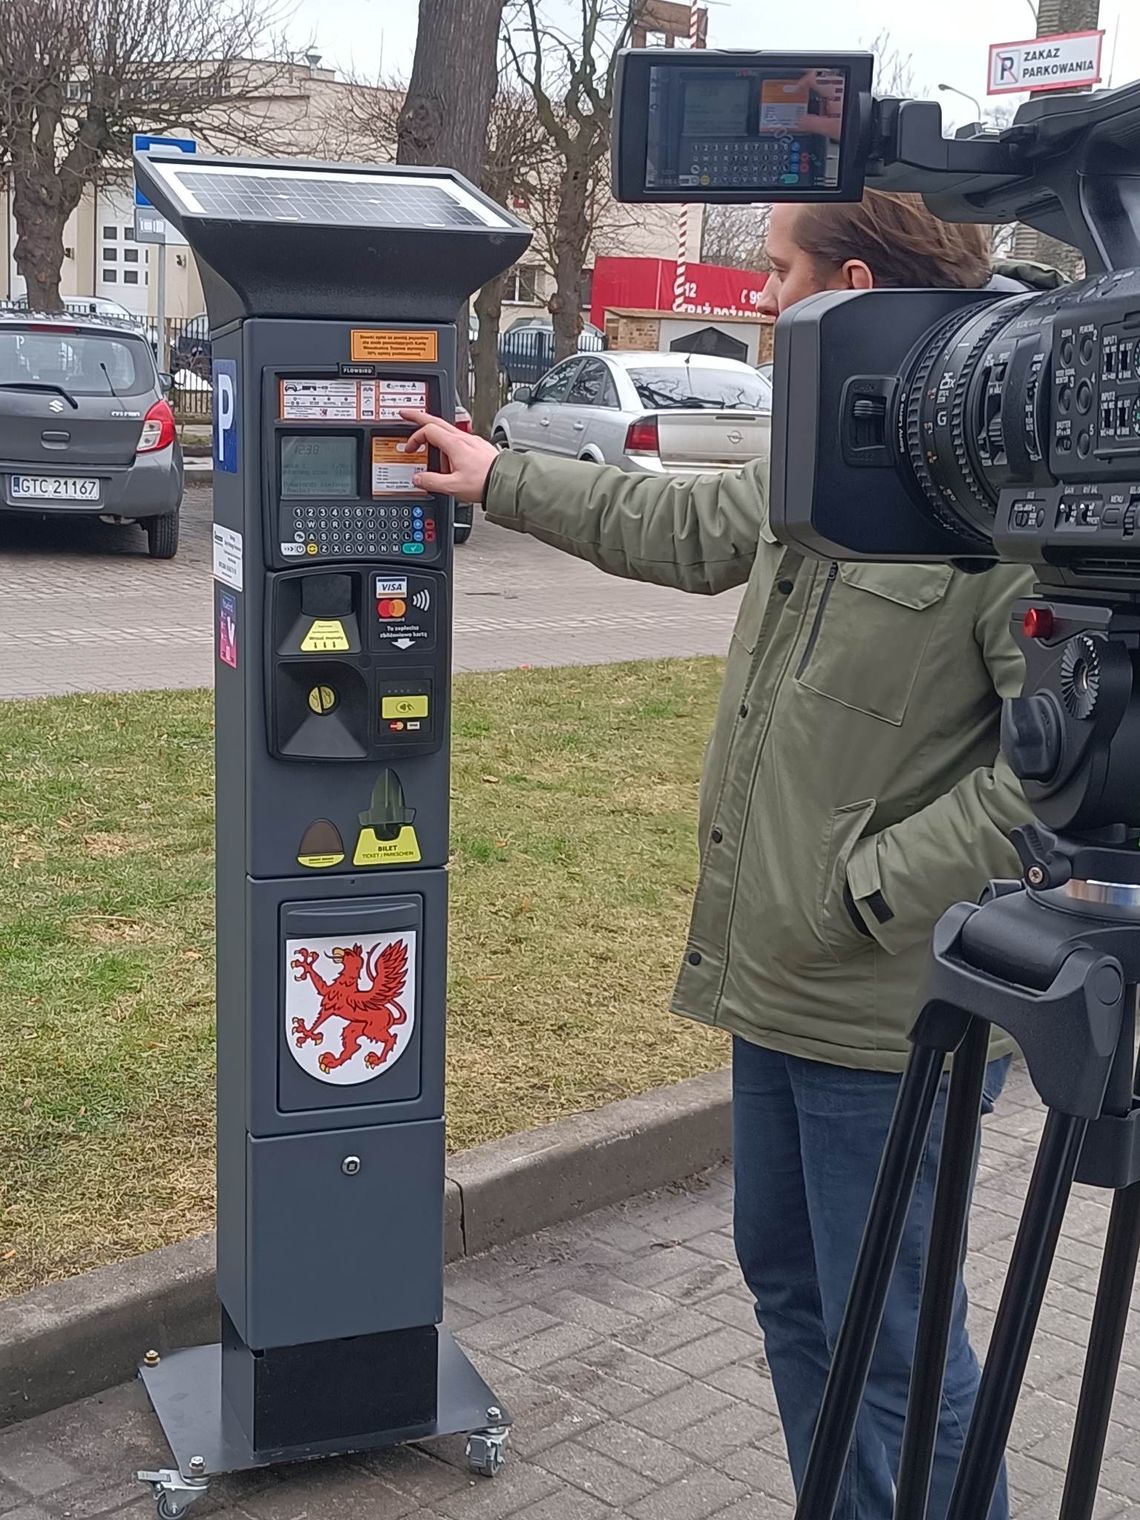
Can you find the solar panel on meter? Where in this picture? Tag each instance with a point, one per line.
(424, 232)
(325, 198)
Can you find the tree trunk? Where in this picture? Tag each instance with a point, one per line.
(571, 242)
(443, 121)
(485, 352)
(38, 252)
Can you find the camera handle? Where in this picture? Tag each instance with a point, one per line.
(1058, 971)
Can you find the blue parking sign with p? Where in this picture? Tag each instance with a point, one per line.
(225, 416)
(143, 142)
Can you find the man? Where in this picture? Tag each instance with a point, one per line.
(852, 791)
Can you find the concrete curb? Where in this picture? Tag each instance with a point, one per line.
(77, 1337)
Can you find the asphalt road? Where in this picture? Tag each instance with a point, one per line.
(84, 609)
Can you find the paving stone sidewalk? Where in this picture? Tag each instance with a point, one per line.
(626, 1347)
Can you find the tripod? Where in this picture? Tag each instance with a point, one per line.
(1058, 969)
(1056, 964)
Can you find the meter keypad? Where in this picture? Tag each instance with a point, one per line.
(766, 161)
(356, 531)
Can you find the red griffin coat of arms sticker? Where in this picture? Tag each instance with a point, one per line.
(350, 1006)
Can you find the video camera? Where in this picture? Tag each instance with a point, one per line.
(960, 425)
(970, 426)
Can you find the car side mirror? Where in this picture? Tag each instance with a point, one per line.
(524, 394)
(166, 379)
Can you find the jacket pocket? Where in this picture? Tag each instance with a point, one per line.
(834, 924)
(869, 638)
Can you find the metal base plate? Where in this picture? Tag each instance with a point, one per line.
(186, 1392)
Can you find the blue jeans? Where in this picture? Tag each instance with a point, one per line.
(808, 1138)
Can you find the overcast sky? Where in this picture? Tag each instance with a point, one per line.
(947, 42)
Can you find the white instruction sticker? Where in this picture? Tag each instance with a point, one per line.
(350, 400)
(227, 556)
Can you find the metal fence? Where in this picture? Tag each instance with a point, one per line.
(526, 353)
(188, 361)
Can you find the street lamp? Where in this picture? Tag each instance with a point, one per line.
(951, 89)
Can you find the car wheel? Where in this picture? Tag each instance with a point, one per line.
(462, 532)
(500, 441)
(162, 535)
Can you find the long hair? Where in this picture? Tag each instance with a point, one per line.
(901, 242)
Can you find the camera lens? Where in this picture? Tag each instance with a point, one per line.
(958, 415)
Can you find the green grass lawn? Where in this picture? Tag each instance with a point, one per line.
(574, 797)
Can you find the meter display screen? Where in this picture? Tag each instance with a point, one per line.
(320, 465)
(744, 129)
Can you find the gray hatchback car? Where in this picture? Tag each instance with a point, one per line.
(85, 426)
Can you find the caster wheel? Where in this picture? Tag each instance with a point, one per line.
(167, 1510)
(486, 1453)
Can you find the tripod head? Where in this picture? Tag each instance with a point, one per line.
(1073, 740)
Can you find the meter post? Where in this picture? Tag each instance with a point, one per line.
(333, 293)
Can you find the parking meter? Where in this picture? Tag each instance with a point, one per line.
(333, 293)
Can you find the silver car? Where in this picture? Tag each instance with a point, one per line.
(670, 413)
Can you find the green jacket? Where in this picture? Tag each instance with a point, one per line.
(856, 746)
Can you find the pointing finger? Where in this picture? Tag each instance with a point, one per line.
(438, 434)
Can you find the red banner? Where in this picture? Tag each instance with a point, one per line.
(711, 290)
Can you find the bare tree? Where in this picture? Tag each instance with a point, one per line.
(894, 69)
(443, 119)
(515, 167)
(374, 112)
(736, 236)
(510, 170)
(79, 77)
(571, 81)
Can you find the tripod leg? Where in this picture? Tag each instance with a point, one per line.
(1110, 1318)
(1017, 1316)
(943, 1265)
(1113, 1299)
(855, 1345)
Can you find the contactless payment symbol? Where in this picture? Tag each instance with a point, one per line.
(350, 1004)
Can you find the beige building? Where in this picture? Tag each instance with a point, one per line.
(296, 109)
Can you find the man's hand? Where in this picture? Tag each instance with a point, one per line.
(468, 459)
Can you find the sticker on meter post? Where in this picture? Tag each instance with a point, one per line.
(350, 1004)
(392, 470)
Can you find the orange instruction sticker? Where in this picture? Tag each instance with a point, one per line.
(394, 345)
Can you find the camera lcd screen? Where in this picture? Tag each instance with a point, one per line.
(319, 464)
(748, 130)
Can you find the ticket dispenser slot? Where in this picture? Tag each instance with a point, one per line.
(332, 703)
